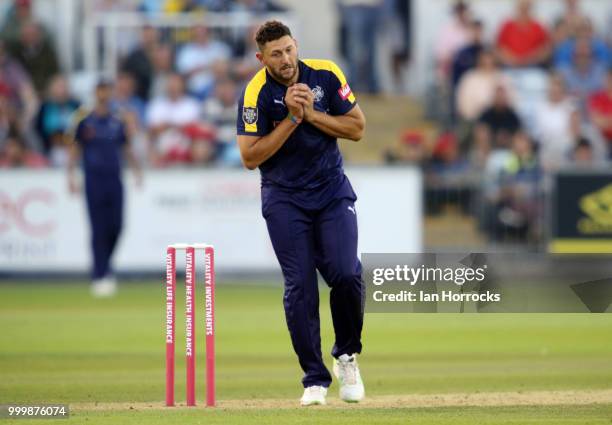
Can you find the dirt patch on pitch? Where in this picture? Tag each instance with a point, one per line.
(527, 398)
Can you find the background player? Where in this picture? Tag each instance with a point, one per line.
(100, 137)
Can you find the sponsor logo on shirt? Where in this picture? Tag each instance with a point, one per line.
(345, 91)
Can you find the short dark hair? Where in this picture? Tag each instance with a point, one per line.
(460, 6)
(104, 83)
(583, 142)
(270, 31)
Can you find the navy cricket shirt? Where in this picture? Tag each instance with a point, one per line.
(309, 159)
(101, 138)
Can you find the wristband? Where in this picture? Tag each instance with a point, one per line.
(295, 120)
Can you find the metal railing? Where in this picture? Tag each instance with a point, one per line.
(101, 31)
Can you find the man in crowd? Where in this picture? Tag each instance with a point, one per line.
(523, 41)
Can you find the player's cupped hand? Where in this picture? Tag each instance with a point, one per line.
(291, 101)
(304, 97)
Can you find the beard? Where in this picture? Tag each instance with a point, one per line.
(283, 75)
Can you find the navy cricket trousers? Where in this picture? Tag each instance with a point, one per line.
(326, 240)
(105, 207)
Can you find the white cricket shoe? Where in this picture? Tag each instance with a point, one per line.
(346, 370)
(313, 395)
(104, 288)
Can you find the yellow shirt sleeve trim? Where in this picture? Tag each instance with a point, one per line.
(327, 65)
(251, 95)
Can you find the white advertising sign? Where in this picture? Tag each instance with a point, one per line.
(44, 228)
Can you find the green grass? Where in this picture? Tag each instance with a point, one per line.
(59, 345)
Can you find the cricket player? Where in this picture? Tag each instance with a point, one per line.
(289, 117)
(100, 139)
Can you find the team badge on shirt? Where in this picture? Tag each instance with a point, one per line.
(249, 115)
(318, 93)
(89, 132)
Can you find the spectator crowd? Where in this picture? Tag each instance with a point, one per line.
(533, 99)
(175, 89)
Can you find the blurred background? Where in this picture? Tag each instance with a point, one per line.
(489, 123)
